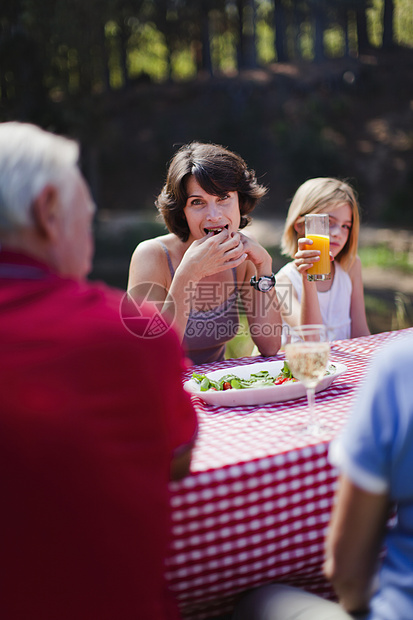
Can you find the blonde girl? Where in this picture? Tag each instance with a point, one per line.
(338, 302)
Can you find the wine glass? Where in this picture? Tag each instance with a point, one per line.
(307, 352)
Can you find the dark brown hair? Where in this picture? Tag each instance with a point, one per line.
(218, 171)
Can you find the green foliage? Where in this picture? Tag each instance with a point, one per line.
(148, 52)
(223, 51)
(334, 42)
(265, 42)
(306, 41)
(386, 257)
(86, 47)
(183, 65)
(374, 19)
(403, 24)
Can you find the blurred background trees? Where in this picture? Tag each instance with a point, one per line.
(83, 47)
(295, 86)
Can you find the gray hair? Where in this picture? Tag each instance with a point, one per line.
(31, 159)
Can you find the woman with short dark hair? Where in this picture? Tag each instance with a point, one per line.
(200, 270)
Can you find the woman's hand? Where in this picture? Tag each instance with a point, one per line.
(256, 254)
(212, 254)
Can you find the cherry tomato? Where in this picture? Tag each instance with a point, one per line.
(226, 385)
(281, 380)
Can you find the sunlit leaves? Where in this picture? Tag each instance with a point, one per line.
(89, 46)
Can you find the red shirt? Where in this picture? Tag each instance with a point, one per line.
(90, 416)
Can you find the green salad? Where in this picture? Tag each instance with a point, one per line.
(255, 380)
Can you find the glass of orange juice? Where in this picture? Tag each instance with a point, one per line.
(318, 230)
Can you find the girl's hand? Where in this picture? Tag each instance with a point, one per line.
(305, 258)
(212, 254)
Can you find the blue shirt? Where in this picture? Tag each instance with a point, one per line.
(375, 451)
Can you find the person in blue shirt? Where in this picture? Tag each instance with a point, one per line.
(375, 456)
(369, 545)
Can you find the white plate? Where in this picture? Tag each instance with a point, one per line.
(257, 396)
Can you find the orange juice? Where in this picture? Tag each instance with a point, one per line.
(321, 243)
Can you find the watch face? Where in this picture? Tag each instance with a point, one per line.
(265, 284)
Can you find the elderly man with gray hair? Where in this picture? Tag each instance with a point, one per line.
(88, 439)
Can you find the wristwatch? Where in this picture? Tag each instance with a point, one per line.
(264, 283)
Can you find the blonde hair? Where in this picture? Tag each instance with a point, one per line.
(322, 195)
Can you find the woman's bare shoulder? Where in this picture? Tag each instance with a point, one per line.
(149, 262)
(152, 248)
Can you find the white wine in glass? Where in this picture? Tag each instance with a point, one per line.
(307, 352)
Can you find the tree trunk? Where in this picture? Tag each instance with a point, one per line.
(362, 35)
(279, 29)
(105, 60)
(123, 41)
(206, 60)
(85, 73)
(249, 14)
(4, 58)
(246, 47)
(240, 40)
(296, 25)
(388, 41)
(318, 36)
(344, 17)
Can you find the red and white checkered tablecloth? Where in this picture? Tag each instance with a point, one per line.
(257, 503)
